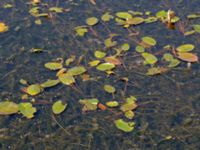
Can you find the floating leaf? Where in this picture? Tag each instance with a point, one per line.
(27, 110)
(49, 83)
(189, 32)
(3, 27)
(156, 70)
(174, 63)
(33, 89)
(130, 104)
(109, 43)
(53, 65)
(94, 63)
(196, 27)
(149, 58)
(124, 15)
(22, 81)
(175, 19)
(70, 60)
(124, 126)
(66, 79)
(129, 114)
(58, 107)
(125, 47)
(89, 104)
(188, 57)
(149, 40)
(105, 66)
(161, 14)
(80, 30)
(109, 88)
(168, 57)
(56, 9)
(193, 16)
(91, 21)
(112, 103)
(8, 108)
(150, 19)
(185, 48)
(99, 54)
(76, 70)
(7, 6)
(113, 60)
(106, 17)
(135, 21)
(139, 49)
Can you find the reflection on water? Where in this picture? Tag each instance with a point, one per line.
(168, 113)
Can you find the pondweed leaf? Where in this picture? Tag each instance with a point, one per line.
(89, 104)
(124, 15)
(33, 89)
(92, 21)
(109, 88)
(66, 79)
(53, 65)
(185, 48)
(105, 66)
(3, 27)
(27, 110)
(112, 104)
(49, 83)
(124, 126)
(8, 108)
(78, 70)
(58, 107)
(149, 40)
(99, 54)
(149, 58)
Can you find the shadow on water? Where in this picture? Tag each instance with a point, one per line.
(168, 113)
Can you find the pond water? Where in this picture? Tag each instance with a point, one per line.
(167, 115)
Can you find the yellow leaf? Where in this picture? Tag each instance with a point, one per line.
(3, 27)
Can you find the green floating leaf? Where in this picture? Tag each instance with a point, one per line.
(89, 104)
(53, 65)
(56, 9)
(149, 40)
(124, 15)
(112, 104)
(58, 107)
(130, 104)
(109, 88)
(78, 70)
(106, 17)
(139, 49)
(80, 30)
(49, 83)
(135, 21)
(196, 27)
(185, 48)
(193, 16)
(149, 58)
(174, 63)
(124, 126)
(109, 43)
(99, 54)
(150, 19)
(105, 66)
(27, 110)
(125, 47)
(8, 108)
(66, 79)
(161, 14)
(154, 71)
(92, 21)
(94, 63)
(129, 114)
(168, 57)
(34, 89)
(70, 60)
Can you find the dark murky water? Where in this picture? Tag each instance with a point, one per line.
(168, 104)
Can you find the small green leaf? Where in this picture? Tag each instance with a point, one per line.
(168, 57)
(99, 54)
(34, 89)
(49, 83)
(153, 71)
(139, 49)
(130, 104)
(66, 79)
(125, 47)
(129, 114)
(196, 27)
(56, 9)
(109, 88)
(91, 21)
(174, 63)
(149, 40)
(124, 126)
(185, 48)
(89, 104)
(94, 63)
(80, 30)
(27, 110)
(53, 65)
(8, 108)
(106, 17)
(149, 58)
(135, 21)
(112, 103)
(58, 107)
(105, 66)
(124, 15)
(78, 70)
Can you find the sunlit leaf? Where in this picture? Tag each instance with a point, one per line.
(99, 54)
(27, 110)
(189, 32)
(3, 27)
(113, 60)
(150, 19)
(94, 63)
(112, 104)
(49, 83)
(193, 16)
(80, 30)
(188, 57)
(156, 70)
(105, 66)
(130, 104)
(106, 17)
(139, 49)
(58, 107)
(124, 126)
(109, 43)
(174, 63)
(196, 27)
(7, 6)
(76, 70)
(135, 21)
(161, 14)
(168, 57)
(149, 40)
(70, 60)
(129, 114)
(34, 89)
(125, 47)
(109, 88)
(56, 9)
(89, 104)
(53, 65)
(124, 15)
(8, 108)
(185, 48)
(92, 21)
(149, 58)
(66, 79)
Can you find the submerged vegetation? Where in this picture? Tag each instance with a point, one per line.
(103, 67)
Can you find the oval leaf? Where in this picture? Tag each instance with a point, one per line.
(8, 108)
(185, 48)
(58, 107)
